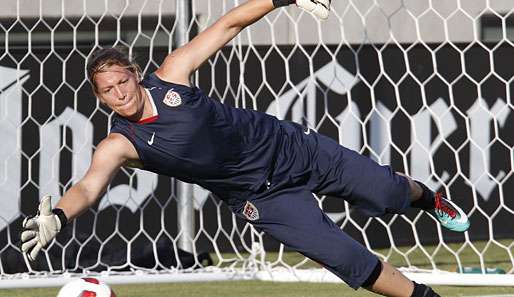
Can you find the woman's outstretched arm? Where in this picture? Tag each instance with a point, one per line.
(181, 63)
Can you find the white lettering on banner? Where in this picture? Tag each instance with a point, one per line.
(338, 79)
(51, 140)
(350, 122)
(200, 195)
(11, 81)
(380, 136)
(480, 154)
(422, 144)
(350, 131)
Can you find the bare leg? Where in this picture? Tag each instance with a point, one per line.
(391, 282)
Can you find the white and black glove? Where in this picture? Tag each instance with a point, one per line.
(41, 229)
(319, 8)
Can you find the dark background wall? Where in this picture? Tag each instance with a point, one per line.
(406, 79)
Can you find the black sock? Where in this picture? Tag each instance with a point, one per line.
(280, 3)
(421, 290)
(427, 200)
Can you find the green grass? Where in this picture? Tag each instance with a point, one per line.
(494, 256)
(445, 257)
(252, 289)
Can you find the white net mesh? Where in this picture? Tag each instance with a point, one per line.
(422, 85)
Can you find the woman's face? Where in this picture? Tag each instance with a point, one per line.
(118, 88)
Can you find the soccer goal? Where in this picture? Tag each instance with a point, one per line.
(422, 85)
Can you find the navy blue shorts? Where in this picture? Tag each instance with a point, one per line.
(309, 163)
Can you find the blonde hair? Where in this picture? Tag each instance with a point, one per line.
(104, 58)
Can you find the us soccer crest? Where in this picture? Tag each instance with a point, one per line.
(250, 211)
(172, 99)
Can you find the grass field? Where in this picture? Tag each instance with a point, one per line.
(252, 289)
(494, 256)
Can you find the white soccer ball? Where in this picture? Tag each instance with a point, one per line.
(86, 287)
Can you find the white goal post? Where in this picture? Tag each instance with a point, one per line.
(422, 85)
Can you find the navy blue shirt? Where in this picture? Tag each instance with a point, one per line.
(228, 151)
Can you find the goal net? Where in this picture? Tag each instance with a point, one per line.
(422, 85)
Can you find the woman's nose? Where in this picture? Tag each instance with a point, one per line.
(119, 92)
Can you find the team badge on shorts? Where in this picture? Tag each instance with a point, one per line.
(250, 211)
(172, 99)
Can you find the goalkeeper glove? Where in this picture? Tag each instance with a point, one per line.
(41, 229)
(319, 8)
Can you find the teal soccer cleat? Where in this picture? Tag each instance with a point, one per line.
(450, 215)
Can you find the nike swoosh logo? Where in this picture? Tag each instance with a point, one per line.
(150, 142)
(307, 132)
(463, 218)
(322, 4)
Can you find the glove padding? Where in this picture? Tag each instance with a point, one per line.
(39, 230)
(319, 8)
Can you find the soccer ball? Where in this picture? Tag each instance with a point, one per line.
(86, 287)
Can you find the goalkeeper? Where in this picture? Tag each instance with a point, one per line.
(266, 170)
